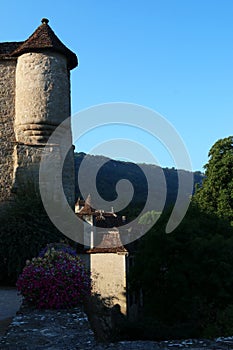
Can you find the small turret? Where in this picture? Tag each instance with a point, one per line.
(42, 102)
(42, 85)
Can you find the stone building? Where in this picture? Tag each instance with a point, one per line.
(107, 263)
(95, 221)
(34, 100)
(103, 252)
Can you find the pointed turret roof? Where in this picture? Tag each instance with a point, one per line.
(44, 38)
(88, 201)
(87, 208)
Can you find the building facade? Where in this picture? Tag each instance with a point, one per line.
(103, 253)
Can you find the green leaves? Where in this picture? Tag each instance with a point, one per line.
(216, 193)
(186, 277)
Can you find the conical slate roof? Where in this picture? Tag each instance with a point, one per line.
(44, 38)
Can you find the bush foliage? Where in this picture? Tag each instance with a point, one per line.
(186, 277)
(24, 229)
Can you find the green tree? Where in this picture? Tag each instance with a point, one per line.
(216, 193)
(149, 217)
(186, 277)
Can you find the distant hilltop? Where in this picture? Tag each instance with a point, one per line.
(113, 170)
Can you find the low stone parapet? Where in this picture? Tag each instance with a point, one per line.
(70, 330)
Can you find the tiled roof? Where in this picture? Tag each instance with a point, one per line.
(86, 211)
(111, 243)
(43, 38)
(115, 250)
(86, 206)
(7, 48)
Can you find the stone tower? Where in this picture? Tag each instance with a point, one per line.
(34, 100)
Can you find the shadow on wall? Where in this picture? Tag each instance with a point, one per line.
(106, 319)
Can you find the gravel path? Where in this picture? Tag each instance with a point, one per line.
(9, 304)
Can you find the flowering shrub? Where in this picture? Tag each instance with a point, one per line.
(58, 247)
(54, 280)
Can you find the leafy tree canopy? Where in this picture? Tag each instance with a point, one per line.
(216, 193)
(186, 277)
(149, 217)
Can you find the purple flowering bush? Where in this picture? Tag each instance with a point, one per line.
(54, 280)
(58, 247)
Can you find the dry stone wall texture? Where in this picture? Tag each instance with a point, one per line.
(7, 136)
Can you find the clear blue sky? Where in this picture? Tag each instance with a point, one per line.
(174, 56)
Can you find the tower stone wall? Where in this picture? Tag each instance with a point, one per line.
(42, 96)
(42, 103)
(34, 101)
